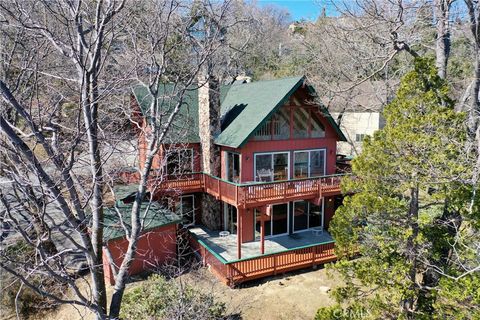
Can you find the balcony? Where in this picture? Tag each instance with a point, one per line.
(282, 254)
(248, 195)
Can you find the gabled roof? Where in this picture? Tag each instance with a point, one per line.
(244, 108)
(256, 101)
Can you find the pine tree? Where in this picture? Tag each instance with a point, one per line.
(408, 174)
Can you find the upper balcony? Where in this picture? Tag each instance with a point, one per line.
(249, 195)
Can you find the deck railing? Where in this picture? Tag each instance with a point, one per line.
(251, 194)
(235, 272)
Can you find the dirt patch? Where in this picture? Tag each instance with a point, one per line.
(291, 296)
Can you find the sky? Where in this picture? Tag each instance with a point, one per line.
(307, 9)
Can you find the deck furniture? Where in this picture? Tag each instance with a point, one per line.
(224, 234)
(317, 231)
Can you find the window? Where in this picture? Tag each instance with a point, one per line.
(271, 167)
(300, 123)
(233, 167)
(230, 219)
(275, 224)
(306, 215)
(306, 123)
(309, 163)
(317, 128)
(186, 209)
(276, 128)
(179, 161)
(359, 137)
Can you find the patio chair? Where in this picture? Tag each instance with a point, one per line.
(264, 175)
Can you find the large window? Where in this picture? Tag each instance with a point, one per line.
(276, 128)
(306, 215)
(306, 123)
(271, 167)
(300, 123)
(317, 130)
(309, 163)
(179, 161)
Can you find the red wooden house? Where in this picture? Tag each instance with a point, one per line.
(277, 186)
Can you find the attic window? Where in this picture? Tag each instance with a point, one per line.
(317, 128)
(276, 128)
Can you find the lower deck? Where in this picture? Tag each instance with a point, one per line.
(282, 254)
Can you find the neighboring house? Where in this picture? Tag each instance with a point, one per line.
(278, 187)
(359, 113)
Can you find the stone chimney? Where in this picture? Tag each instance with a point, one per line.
(209, 128)
(209, 122)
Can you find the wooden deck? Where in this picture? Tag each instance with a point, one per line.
(252, 194)
(291, 257)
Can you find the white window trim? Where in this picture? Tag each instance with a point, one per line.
(309, 151)
(270, 153)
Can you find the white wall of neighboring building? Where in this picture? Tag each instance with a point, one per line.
(354, 125)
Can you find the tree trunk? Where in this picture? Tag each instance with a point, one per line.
(442, 44)
(409, 304)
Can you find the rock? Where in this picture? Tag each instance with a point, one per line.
(324, 289)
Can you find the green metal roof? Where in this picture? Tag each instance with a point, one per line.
(244, 108)
(257, 101)
(155, 216)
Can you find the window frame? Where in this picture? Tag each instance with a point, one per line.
(309, 151)
(272, 163)
(177, 151)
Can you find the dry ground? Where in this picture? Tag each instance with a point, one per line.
(291, 296)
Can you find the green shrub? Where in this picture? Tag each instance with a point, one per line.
(158, 298)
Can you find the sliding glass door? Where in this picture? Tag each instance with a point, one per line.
(309, 163)
(230, 219)
(271, 166)
(306, 215)
(276, 224)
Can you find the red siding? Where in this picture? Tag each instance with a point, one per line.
(247, 225)
(155, 247)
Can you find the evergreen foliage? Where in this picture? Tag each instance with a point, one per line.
(408, 178)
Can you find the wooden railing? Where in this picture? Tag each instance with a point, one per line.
(252, 194)
(235, 272)
(264, 266)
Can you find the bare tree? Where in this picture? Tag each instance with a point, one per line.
(57, 135)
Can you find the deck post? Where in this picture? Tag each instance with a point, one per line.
(262, 230)
(239, 233)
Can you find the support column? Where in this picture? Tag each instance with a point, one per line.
(239, 233)
(262, 234)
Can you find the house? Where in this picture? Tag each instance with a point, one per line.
(156, 246)
(267, 207)
(359, 112)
